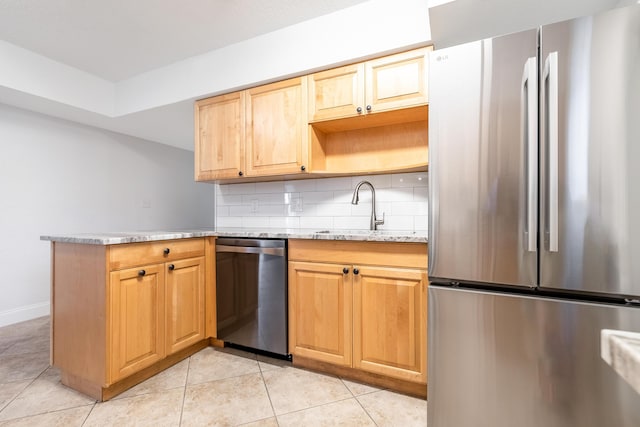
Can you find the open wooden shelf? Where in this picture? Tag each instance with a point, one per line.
(386, 142)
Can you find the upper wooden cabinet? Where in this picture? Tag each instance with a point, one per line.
(383, 84)
(369, 117)
(257, 132)
(276, 128)
(220, 134)
(338, 92)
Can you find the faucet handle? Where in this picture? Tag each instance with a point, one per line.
(380, 221)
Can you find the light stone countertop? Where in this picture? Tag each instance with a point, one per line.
(115, 238)
(621, 350)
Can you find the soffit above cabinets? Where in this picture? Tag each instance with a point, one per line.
(136, 67)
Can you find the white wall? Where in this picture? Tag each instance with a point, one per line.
(325, 203)
(60, 177)
(365, 30)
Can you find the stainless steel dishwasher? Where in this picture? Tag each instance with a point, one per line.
(251, 293)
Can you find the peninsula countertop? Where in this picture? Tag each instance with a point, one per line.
(115, 238)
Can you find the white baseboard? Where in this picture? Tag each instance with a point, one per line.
(27, 312)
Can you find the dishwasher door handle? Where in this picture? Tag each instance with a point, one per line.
(250, 250)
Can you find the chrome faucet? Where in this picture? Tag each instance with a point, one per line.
(373, 225)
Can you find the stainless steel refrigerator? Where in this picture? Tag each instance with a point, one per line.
(534, 224)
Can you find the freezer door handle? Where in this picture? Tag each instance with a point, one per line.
(529, 129)
(550, 80)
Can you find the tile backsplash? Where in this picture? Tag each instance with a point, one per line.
(325, 203)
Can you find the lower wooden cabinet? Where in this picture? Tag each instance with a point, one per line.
(389, 322)
(137, 319)
(120, 316)
(156, 310)
(320, 312)
(184, 300)
(368, 312)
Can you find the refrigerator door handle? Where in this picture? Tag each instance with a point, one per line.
(551, 96)
(529, 124)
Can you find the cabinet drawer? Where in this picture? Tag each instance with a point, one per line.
(406, 255)
(133, 254)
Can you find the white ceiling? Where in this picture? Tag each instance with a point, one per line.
(136, 66)
(117, 39)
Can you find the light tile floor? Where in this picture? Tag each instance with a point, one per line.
(224, 387)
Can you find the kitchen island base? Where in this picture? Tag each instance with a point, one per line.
(122, 313)
(101, 393)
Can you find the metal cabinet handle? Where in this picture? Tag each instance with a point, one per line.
(240, 173)
(359, 110)
(356, 271)
(345, 270)
(172, 267)
(368, 107)
(303, 168)
(166, 251)
(141, 273)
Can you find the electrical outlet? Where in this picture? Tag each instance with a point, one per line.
(296, 203)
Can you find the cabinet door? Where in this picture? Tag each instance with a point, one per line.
(185, 281)
(136, 311)
(219, 131)
(390, 322)
(397, 81)
(336, 93)
(276, 134)
(320, 309)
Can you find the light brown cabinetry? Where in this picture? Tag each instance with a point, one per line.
(389, 322)
(137, 319)
(320, 312)
(253, 133)
(370, 117)
(388, 83)
(276, 129)
(122, 313)
(185, 303)
(220, 135)
(360, 305)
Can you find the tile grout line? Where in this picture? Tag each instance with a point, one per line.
(325, 404)
(346, 386)
(358, 400)
(88, 414)
(365, 409)
(184, 390)
(23, 390)
(264, 382)
(90, 407)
